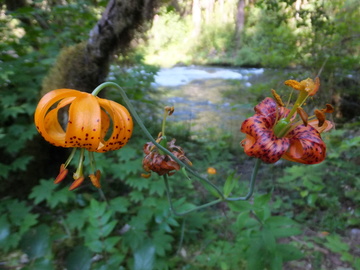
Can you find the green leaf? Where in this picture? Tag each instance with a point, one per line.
(43, 191)
(335, 244)
(230, 184)
(108, 228)
(162, 242)
(110, 243)
(95, 246)
(157, 187)
(119, 204)
(262, 200)
(97, 208)
(289, 252)
(268, 238)
(138, 182)
(136, 196)
(35, 243)
(17, 211)
(28, 221)
(60, 196)
(75, 219)
(277, 221)
(282, 232)
(144, 257)
(40, 264)
(79, 259)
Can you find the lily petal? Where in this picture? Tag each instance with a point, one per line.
(326, 126)
(122, 125)
(84, 124)
(306, 146)
(46, 124)
(261, 142)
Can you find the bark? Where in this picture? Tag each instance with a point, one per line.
(196, 17)
(240, 21)
(85, 66)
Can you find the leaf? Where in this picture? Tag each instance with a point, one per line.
(136, 196)
(282, 232)
(119, 204)
(28, 221)
(268, 238)
(110, 242)
(40, 264)
(157, 187)
(79, 259)
(17, 211)
(144, 257)
(43, 191)
(35, 243)
(60, 196)
(75, 219)
(230, 184)
(277, 221)
(97, 208)
(262, 200)
(162, 242)
(95, 246)
(108, 228)
(289, 252)
(138, 182)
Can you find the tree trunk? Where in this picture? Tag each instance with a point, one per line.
(86, 65)
(240, 21)
(196, 17)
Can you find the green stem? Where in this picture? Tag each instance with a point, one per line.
(167, 188)
(303, 95)
(181, 236)
(144, 129)
(70, 157)
(80, 169)
(252, 184)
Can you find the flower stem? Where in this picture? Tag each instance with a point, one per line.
(252, 184)
(146, 132)
(167, 188)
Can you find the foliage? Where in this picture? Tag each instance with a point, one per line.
(130, 225)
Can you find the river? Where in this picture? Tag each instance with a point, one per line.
(210, 101)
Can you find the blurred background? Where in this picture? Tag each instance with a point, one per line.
(214, 60)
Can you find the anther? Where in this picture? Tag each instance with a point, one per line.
(278, 99)
(294, 84)
(303, 115)
(329, 109)
(320, 115)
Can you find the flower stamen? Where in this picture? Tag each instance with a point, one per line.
(303, 115)
(278, 99)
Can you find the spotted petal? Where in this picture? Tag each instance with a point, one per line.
(261, 142)
(306, 146)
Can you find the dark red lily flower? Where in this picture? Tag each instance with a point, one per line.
(274, 133)
(160, 163)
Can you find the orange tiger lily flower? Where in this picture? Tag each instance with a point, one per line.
(91, 123)
(274, 132)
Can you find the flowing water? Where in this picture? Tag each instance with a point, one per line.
(209, 100)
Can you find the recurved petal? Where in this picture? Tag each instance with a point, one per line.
(261, 141)
(54, 133)
(306, 146)
(326, 126)
(47, 125)
(269, 109)
(268, 148)
(122, 125)
(84, 124)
